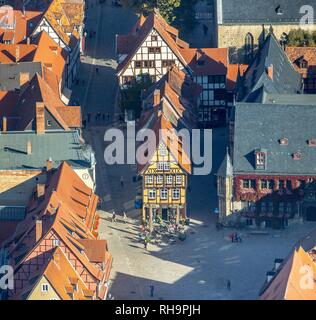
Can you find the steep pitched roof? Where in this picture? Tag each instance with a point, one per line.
(270, 72)
(286, 285)
(206, 61)
(68, 211)
(262, 126)
(135, 39)
(166, 133)
(38, 90)
(234, 71)
(50, 54)
(226, 168)
(178, 96)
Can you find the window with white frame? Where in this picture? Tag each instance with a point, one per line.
(176, 194)
(149, 179)
(169, 179)
(152, 194)
(160, 166)
(164, 194)
(166, 166)
(179, 179)
(159, 179)
(45, 287)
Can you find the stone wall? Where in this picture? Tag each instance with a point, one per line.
(233, 37)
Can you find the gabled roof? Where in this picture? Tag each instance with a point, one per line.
(178, 96)
(287, 284)
(270, 72)
(50, 54)
(261, 126)
(206, 61)
(166, 133)
(68, 211)
(234, 72)
(226, 168)
(135, 39)
(23, 111)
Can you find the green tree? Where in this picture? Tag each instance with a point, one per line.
(167, 9)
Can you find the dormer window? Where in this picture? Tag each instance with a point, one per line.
(260, 159)
(303, 64)
(311, 142)
(284, 141)
(297, 156)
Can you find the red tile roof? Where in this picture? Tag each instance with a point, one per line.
(207, 61)
(308, 54)
(232, 74)
(67, 213)
(287, 284)
(129, 44)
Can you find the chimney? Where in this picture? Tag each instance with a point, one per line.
(38, 230)
(17, 53)
(40, 190)
(24, 78)
(49, 164)
(4, 124)
(29, 148)
(270, 71)
(156, 97)
(40, 118)
(28, 40)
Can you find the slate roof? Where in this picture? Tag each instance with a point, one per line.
(58, 145)
(262, 126)
(226, 168)
(258, 12)
(256, 82)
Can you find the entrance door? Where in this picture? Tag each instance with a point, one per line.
(311, 214)
(164, 214)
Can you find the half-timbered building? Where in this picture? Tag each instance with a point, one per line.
(149, 49)
(168, 107)
(60, 232)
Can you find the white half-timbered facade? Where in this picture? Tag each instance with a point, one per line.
(73, 59)
(153, 58)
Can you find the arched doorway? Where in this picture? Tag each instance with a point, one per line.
(311, 214)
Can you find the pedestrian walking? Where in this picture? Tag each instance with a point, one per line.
(113, 216)
(145, 244)
(228, 285)
(124, 217)
(152, 290)
(122, 181)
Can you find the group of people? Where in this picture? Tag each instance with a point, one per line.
(114, 217)
(235, 237)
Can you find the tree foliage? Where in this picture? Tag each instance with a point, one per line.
(301, 38)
